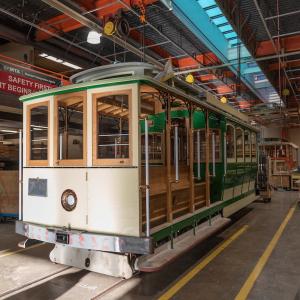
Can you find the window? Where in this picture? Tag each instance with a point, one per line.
(112, 128)
(239, 144)
(37, 134)
(199, 135)
(70, 122)
(253, 145)
(230, 142)
(247, 145)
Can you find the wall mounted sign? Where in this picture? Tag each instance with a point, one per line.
(20, 81)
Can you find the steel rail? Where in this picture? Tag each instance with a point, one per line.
(273, 43)
(94, 26)
(12, 15)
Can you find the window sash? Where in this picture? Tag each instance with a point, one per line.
(34, 162)
(111, 161)
(69, 99)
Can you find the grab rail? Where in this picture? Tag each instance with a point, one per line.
(198, 155)
(147, 179)
(213, 153)
(176, 156)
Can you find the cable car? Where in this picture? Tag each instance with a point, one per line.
(119, 168)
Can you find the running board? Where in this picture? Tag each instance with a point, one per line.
(165, 254)
(28, 243)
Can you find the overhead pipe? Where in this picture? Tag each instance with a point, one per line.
(94, 26)
(273, 43)
(12, 15)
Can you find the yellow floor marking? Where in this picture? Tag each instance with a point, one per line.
(246, 288)
(21, 250)
(186, 278)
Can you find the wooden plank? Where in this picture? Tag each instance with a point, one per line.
(207, 175)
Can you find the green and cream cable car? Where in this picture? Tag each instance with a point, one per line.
(120, 170)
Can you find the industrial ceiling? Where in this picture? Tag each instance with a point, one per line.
(247, 51)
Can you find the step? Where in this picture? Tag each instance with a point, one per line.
(165, 255)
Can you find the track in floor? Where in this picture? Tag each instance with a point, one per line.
(222, 278)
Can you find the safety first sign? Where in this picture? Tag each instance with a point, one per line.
(19, 81)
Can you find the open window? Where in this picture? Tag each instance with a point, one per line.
(247, 146)
(38, 134)
(230, 143)
(239, 145)
(70, 129)
(253, 146)
(112, 128)
(199, 136)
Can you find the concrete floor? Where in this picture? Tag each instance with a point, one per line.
(221, 279)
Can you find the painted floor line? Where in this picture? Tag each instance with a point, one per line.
(21, 250)
(191, 274)
(247, 286)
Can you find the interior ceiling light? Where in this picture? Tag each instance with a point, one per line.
(60, 61)
(190, 78)
(94, 37)
(286, 92)
(223, 100)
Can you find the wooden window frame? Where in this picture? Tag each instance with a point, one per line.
(240, 159)
(70, 162)
(231, 159)
(32, 162)
(122, 162)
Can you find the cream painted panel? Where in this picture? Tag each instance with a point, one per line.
(48, 210)
(245, 187)
(238, 190)
(113, 205)
(228, 194)
(231, 209)
(251, 185)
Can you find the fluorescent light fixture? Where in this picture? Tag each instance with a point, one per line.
(71, 65)
(60, 61)
(9, 131)
(94, 37)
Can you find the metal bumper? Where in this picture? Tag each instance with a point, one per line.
(86, 240)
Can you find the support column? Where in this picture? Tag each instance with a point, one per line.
(168, 161)
(191, 159)
(207, 152)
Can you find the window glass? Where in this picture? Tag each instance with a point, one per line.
(39, 133)
(113, 127)
(239, 143)
(230, 142)
(70, 128)
(253, 146)
(247, 144)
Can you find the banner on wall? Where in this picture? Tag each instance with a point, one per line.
(20, 81)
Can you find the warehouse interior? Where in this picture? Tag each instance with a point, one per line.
(149, 149)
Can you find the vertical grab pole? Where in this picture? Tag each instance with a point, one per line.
(225, 155)
(20, 175)
(213, 136)
(176, 153)
(198, 155)
(147, 179)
